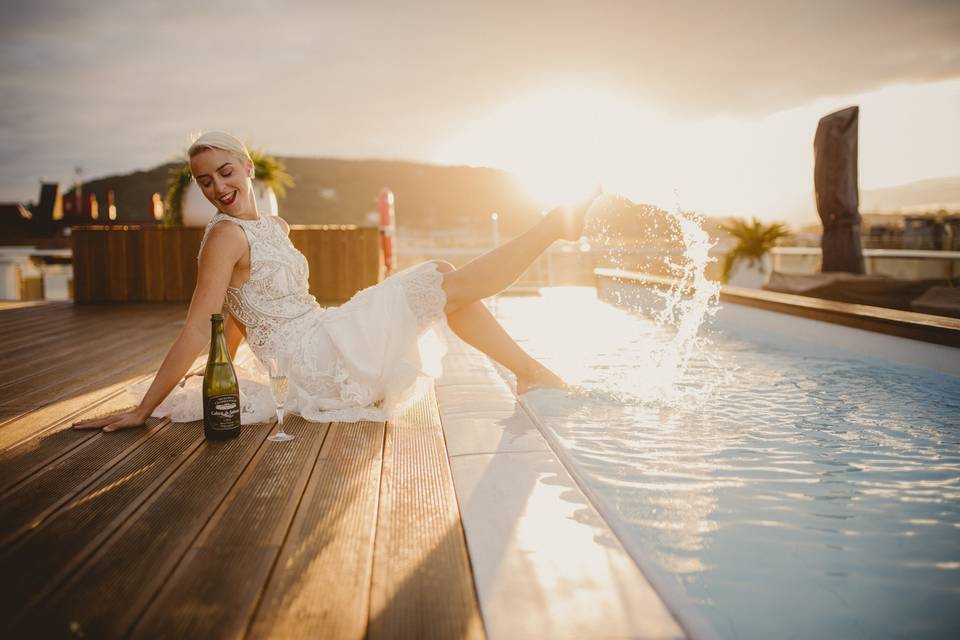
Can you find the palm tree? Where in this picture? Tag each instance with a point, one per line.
(754, 240)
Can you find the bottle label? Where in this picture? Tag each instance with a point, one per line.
(222, 413)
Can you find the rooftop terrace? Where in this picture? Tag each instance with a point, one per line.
(455, 520)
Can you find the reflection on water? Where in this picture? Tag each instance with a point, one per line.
(792, 494)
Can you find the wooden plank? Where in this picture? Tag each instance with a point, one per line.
(82, 272)
(116, 259)
(106, 334)
(98, 260)
(172, 266)
(238, 546)
(112, 333)
(422, 581)
(48, 313)
(134, 240)
(26, 505)
(343, 266)
(343, 259)
(330, 543)
(104, 322)
(28, 338)
(153, 272)
(43, 558)
(102, 594)
(20, 462)
(15, 318)
(113, 365)
(9, 305)
(24, 421)
(79, 389)
(327, 274)
(48, 353)
(44, 329)
(189, 238)
(20, 429)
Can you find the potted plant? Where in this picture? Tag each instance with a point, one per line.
(187, 206)
(754, 241)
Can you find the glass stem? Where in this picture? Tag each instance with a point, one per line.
(280, 419)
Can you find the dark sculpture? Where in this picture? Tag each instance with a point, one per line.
(835, 183)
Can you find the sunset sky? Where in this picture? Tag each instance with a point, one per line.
(686, 103)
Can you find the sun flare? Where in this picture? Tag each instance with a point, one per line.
(560, 143)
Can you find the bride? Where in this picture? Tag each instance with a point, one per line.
(361, 360)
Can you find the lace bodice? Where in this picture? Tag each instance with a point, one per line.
(277, 292)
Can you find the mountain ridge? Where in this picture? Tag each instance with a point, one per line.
(431, 196)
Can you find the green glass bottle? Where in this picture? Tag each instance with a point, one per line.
(221, 392)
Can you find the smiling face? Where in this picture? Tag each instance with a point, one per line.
(224, 178)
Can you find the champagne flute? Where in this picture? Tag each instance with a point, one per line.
(278, 366)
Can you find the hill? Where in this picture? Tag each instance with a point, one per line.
(335, 191)
(937, 193)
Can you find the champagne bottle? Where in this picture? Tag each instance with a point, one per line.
(221, 392)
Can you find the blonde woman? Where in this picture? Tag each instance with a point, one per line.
(362, 360)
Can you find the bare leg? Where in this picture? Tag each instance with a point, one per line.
(498, 268)
(493, 272)
(477, 326)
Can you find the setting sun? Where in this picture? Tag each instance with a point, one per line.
(559, 142)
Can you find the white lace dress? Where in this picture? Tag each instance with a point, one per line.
(367, 359)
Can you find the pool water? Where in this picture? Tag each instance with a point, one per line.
(791, 492)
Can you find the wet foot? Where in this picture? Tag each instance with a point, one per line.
(542, 379)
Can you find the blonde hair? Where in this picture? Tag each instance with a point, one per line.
(218, 140)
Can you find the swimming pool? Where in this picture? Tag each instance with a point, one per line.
(791, 489)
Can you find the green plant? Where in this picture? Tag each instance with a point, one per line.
(754, 240)
(269, 171)
(173, 203)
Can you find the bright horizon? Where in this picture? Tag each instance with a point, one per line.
(759, 166)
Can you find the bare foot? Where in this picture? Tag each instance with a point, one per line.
(541, 379)
(570, 219)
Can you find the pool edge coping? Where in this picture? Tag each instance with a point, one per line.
(684, 614)
(912, 325)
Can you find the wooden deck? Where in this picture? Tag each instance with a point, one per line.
(351, 530)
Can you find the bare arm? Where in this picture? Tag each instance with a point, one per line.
(235, 332)
(224, 246)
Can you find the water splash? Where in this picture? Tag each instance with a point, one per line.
(678, 307)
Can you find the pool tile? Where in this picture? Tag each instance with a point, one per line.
(483, 432)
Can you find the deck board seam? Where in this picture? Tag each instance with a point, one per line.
(71, 355)
(53, 384)
(27, 474)
(148, 601)
(45, 431)
(113, 528)
(255, 609)
(387, 426)
(54, 510)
